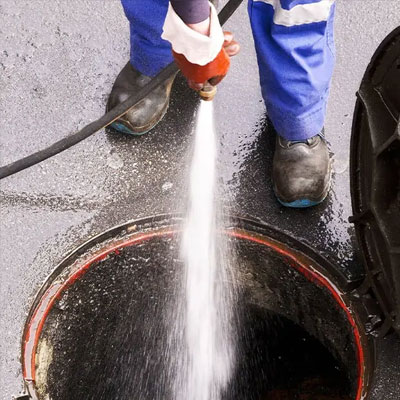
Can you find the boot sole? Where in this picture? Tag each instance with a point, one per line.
(120, 127)
(303, 203)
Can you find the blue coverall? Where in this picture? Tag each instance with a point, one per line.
(295, 52)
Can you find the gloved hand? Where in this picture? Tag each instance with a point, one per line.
(212, 72)
(201, 50)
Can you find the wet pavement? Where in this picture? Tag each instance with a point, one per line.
(58, 61)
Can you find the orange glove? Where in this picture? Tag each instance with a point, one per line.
(212, 72)
(200, 50)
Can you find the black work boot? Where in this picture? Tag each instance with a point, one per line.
(301, 171)
(148, 112)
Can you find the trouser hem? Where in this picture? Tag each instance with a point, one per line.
(291, 127)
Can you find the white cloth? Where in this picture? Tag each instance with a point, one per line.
(197, 48)
(300, 14)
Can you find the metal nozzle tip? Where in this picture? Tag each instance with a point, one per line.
(208, 92)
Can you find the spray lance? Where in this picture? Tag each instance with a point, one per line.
(202, 58)
(209, 75)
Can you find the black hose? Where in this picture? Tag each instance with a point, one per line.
(90, 129)
(110, 116)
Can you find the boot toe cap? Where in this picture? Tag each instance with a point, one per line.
(301, 174)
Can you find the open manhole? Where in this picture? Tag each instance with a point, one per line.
(97, 329)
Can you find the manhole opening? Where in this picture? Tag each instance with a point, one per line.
(281, 361)
(99, 328)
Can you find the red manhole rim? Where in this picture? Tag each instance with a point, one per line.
(55, 289)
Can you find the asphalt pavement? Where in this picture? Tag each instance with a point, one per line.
(58, 61)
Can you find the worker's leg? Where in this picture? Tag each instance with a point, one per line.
(295, 53)
(149, 54)
(294, 44)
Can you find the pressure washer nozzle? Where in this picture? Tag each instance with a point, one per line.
(208, 92)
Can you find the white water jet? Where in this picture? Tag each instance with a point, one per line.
(207, 308)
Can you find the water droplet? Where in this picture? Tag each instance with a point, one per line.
(340, 165)
(114, 161)
(166, 186)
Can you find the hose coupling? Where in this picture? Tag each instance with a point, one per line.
(208, 92)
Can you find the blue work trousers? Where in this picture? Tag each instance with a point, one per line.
(295, 54)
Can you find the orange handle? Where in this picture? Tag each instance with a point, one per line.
(214, 70)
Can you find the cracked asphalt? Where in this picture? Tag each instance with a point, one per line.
(58, 61)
